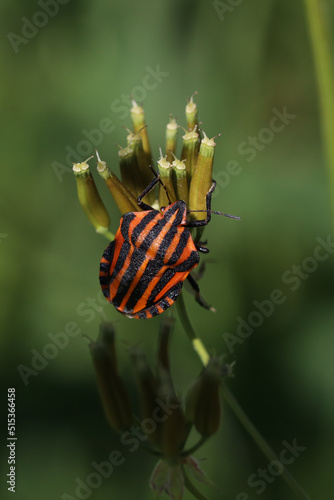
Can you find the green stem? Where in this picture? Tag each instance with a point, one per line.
(320, 42)
(260, 441)
(143, 446)
(108, 234)
(194, 448)
(234, 405)
(196, 341)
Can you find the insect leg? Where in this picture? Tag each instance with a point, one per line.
(200, 245)
(204, 222)
(198, 296)
(149, 188)
(151, 185)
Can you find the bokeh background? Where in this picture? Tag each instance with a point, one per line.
(63, 78)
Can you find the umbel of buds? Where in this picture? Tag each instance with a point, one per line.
(166, 418)
(186, 178)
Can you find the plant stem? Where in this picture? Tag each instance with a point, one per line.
(233, 404)
(194, 448)
(260, 441)
(108, 234)
(196, 342)
(320, 42)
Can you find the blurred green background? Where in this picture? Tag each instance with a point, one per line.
(245, 61)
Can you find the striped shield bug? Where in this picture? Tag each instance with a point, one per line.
(143, 269)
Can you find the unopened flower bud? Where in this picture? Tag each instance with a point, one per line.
(180, 180)
(203, 399)
(166, 327)
(145, 174)
(174, 430)
(166, 171)
(147, 390)
(145, 158)
(90, 199)
(108, 336)
(129, 168)
(201, 179)
(139, 126)
(171, 136)
(112, 390)
(124, 199)
(191, 113)
(190, 151)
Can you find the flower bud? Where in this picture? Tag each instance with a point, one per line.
(145, 174)
(112, 390)
(166, 327)
(203, 399)
(90, 199)
(201, 179)
(190, 151)
(108, 336)
(165, 171)
(145, 158)
(171, 136)
(174, 430)
(129, 169)
(139, 127)
(180, 180)
(191, 113)
(147, 389)
(124, 199)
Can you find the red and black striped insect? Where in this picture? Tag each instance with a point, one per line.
(142, 271)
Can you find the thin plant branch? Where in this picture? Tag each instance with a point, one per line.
(194, 339)
(233, 404)
(320, 43)
(261, 442)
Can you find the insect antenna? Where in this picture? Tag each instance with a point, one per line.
(216, 213)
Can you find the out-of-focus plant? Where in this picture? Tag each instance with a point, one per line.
(322, 46)
(166, 419)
